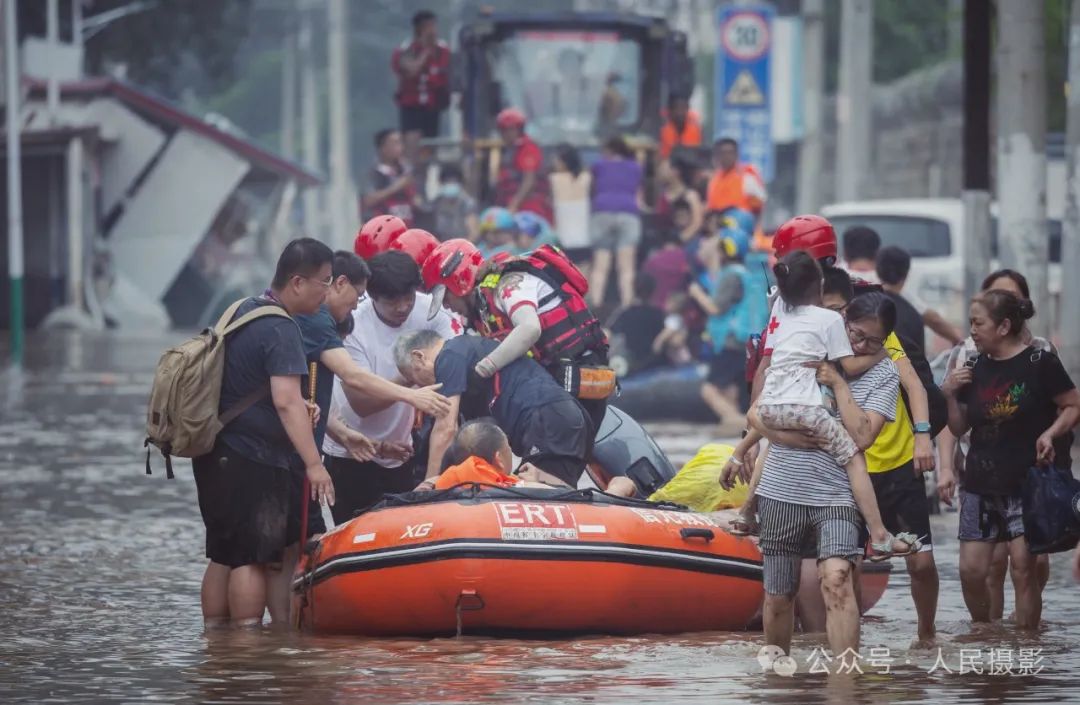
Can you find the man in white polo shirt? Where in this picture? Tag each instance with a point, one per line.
(393, 307)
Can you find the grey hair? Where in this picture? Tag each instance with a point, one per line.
(413, 340)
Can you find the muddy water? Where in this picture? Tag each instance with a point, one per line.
(100, 568)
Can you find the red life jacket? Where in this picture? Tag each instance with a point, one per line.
(568, 331)
(509, 181)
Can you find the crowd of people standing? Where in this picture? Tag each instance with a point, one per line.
(834, 382)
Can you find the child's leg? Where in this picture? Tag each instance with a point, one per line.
(749, 508)
(838, 443)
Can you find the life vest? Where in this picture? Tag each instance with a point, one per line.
(429, 88)
(538, 200)
(569, 330)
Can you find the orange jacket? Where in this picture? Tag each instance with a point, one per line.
(474, 469)
(742, 187)
(670, 137)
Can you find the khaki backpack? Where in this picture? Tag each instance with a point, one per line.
(182, 418)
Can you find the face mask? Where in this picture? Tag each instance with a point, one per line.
(449, 190)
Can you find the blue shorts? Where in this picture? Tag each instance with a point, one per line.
(990, 518)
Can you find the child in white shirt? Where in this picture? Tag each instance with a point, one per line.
(802, 336)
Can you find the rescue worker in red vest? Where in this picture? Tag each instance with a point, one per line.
(522, 184)
(734, 184)
(390, 188)
(422, 65)
(534, 305)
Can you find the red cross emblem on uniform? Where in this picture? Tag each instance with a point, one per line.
(773, 325)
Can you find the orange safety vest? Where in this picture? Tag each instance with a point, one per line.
(474, 469)
(741, 187)
(670, 137)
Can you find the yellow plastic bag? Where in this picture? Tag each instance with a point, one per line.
(697, 484)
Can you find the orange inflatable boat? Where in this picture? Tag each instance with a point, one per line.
(484, 560)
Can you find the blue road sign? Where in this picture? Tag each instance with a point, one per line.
(742, 109)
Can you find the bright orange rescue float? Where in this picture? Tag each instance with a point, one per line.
(477, 559)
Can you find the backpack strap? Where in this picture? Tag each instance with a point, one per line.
(220, 326)
(260, 312)
(245, 403)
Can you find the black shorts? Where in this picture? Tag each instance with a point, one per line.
(358, 485)
(557, 438)
(245, 508)
(315, 523)
(901, 498)
(422, 120)
(727, 368)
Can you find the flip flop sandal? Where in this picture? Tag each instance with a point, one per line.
(883, 551)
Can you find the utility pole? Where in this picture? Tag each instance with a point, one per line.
(813, 70)
(14, 180)
(976, 193)
(854, 106)
(288, 97)
(52, 37)
(1070, 240)
(309, 121)
(1021, 150)
(343, 208)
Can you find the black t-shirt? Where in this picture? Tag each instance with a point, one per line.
(267, 347)
(320, 333)
(639, 325)
(1009, 405)
(909, 324)
(517, 389)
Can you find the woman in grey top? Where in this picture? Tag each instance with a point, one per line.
(805, 496)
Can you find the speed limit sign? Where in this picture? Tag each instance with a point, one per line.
(745, 35)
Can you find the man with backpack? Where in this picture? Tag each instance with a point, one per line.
(244, 481)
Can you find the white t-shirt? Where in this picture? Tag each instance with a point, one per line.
(518, 289)
(867, 275)
(571, 199)
(796, 336)
(371, 346)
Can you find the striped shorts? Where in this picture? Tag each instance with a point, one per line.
(787, 529)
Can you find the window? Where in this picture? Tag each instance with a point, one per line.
(573, 85)
(921, 237)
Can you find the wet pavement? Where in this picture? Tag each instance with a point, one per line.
(99, 593)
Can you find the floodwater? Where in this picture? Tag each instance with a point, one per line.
(99, 594)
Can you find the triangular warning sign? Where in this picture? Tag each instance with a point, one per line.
(744, 91)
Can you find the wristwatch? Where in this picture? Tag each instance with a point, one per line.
(922, 427)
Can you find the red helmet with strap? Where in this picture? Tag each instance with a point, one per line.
(453, 267)
(509, 117)
(810, 233)
(376, 235)
(416, 243)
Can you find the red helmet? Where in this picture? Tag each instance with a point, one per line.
(416, 243)
(810, 233)
(376, 235)
(510, 117)
(452, 267)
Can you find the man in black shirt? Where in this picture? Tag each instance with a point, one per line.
(912, 316)
(546, 426)
(244, 482)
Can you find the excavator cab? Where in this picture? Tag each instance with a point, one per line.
(580, 78)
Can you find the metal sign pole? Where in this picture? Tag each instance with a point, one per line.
(14, 182)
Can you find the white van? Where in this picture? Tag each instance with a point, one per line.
(932, 230)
